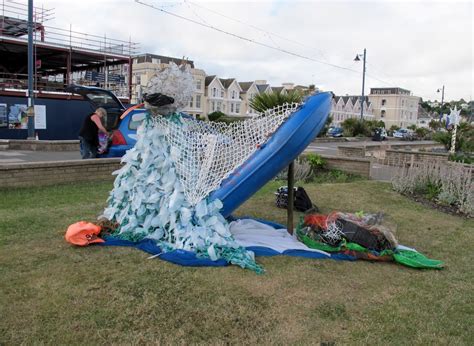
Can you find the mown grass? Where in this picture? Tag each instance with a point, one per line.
(54, 293)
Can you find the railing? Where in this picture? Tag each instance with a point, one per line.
(19, 82)
(12, 11)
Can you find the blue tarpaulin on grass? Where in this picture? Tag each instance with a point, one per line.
(188, 258)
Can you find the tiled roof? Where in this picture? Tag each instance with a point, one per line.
(147, 57)
(262, 87)
(227, 82)
(209, 79)
(353, 99)
(245, 86)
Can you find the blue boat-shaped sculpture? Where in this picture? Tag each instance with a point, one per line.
(288, 141)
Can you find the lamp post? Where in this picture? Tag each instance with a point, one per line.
(31, 112)
(357, 58)
(442, 95)
(442, 101)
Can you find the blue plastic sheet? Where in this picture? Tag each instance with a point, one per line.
(188, 258)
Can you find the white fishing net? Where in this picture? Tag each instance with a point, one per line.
(205, 153)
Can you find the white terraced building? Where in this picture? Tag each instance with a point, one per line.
(345, 107)
(211, 93)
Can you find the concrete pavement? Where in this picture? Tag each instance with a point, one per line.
(330, 148)
(22, 156)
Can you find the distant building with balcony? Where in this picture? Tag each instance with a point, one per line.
(346, 107)
(249, 91)
(145, 66)
(394, 106)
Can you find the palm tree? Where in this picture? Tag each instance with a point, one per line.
(262, 102)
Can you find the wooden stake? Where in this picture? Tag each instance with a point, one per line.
(291, 196)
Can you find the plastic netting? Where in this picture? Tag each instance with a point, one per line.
(205, 153)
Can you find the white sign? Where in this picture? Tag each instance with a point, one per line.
(40, 117)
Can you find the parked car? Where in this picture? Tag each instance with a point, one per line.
(335, 132)
(380, 134)
(404, 134)
(124, 130)
(123, 127)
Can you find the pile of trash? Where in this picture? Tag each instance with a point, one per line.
(362, 236)
(148, 201)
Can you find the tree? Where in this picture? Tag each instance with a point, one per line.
(264, 101)
(412, 127)
(434, 124)
(214, 116)
(357, 127)
(392, 129)
(325, 129)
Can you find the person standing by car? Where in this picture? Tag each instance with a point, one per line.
(89, 133)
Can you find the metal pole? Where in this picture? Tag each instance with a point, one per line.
(31, 123)
(442, 97)
(291, 196)
(363, 87)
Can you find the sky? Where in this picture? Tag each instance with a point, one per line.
(416, 45)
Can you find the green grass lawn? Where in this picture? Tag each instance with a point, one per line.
(52, 292)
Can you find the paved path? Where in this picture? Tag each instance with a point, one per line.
(21, 156)
(330, 148)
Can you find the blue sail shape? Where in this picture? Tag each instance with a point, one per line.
(288, 141)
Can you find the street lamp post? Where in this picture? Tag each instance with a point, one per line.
(31, 112)
(442, 102)
(357, 58)
(442, 95)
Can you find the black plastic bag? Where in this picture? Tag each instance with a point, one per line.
(302, 202)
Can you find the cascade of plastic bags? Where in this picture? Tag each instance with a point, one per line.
(148, 201)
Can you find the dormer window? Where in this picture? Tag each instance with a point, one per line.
(214, 92)
(222, 93)
(233, 94)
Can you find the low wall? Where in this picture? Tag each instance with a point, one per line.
(57, 172)
(349, 165)
(39, 145)
(350, 151)
(329, 139)
(400, 157)
(377, 150)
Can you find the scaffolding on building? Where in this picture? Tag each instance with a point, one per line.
(62, 56)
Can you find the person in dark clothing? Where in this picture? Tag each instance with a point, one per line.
(89, 133)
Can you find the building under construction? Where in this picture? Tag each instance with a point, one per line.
(62, 57)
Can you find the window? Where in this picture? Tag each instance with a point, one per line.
(191, 103)
(232, 107)
(198, 101)
(138, 79)
(135, 121)
(237, 108)
(219, 105)
(222, 93)
(198, 84)
(213, 106)
(214, 92)
(384, 102)
(233, 94)
(382, 114)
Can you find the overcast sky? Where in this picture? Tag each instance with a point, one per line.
(417, 45)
